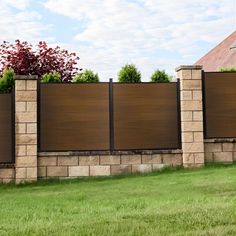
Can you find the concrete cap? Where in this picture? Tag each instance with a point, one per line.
(26, 77)
(188, 67)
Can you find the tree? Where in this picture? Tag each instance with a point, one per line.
(129, 74)
(160, 76)
(88, 76)
(25, 60)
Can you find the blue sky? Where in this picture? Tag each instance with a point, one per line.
(107, 34)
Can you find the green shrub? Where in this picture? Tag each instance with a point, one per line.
(7, 81)
(52, 77)
(230, 69)
(129, 74)
(88, 76)
(160, 76)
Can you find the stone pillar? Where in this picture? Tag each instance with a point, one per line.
(26, 128)
(191, 115)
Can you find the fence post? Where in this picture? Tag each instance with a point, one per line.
(26, 128)
(191, 108)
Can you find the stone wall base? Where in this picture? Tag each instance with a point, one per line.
(220, 150)
(7, 174)
(69, 165)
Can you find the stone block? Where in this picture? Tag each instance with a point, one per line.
(188, 158)
(191, 105)
(197, 74)
(172, 159)
(120, 169)
(88, 160)
(191, 84)
(213, 147)
(193, 147)
(20, 128)
(31, 173)
(131, 159)
(186, 95)
(47, 161)
(26, 96)
(198, 116)
(26, 139)
(6, 173)
(197, 95)
(20, 150)
(42, 172)
(152, 159)
(223, 157)
(228, 147)
(77, 171)
(57, 171)
(31, 150)
(31, 128)
(26, 161)
(143, 168)
(156, 167)
(192, 126)
(31, 84)
(31, 106)
(186, 116)
(198, 136)
(199, 158)
(209, 157)
(100, 170)
(110, 160)
(20, 106)
(22, 117)
(20, 173)
(20, 85)
(185, 74)
(68, 161)
(187, 137)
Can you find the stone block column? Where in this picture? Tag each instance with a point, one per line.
(26, 128)
(191, 115)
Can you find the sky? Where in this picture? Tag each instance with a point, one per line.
(107, 34)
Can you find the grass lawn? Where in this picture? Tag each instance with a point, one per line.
(182, 202)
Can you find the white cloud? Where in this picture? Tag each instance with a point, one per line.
(120, 31)
(16, 22)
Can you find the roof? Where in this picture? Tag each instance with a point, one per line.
(221, 56)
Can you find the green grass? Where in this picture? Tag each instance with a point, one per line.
(181, 202)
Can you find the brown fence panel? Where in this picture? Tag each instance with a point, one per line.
(220, 104)
(146, 116)
(6, 128)
(74, 117)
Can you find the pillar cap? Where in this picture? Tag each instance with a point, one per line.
(26, 77)
(188, 67)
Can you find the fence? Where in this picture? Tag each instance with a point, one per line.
(109, 116)
(6, 128)
(220, 104)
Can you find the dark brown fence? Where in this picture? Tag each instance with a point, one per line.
(220, 104)
(145, 116)
(74, 117)
(109, 116)
(6, 128)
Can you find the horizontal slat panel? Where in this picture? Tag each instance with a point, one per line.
(74, 117)
(220, 104)
(6, 128)
(145, 116)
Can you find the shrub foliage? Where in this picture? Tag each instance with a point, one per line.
(231, 69)
(24, 59)
(160, 76)
(51, 77)
(129, 74)
(7, 81)
(88, 76)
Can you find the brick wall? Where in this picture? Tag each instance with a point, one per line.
(71, 164)
(7, 174)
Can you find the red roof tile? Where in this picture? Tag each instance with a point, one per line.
(221, 56)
